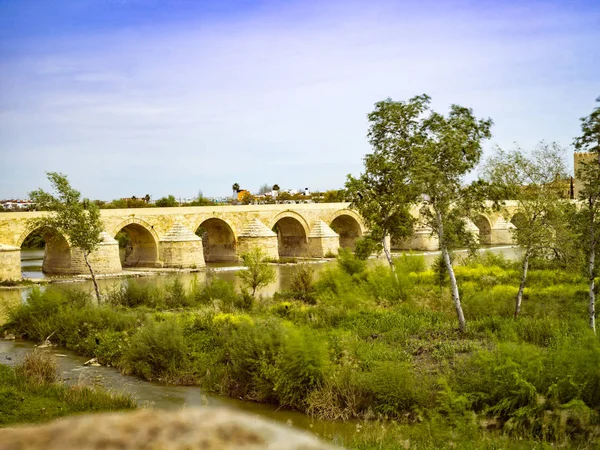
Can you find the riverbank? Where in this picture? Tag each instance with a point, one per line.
(33, 392)
(357, 344)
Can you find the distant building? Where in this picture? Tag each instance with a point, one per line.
(17, 205)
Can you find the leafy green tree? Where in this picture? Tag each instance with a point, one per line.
(589, 176)
(385, 192)
(535, 181)
(77, 220)
(447, 149)
(429, 154)
(166, 202)
(257, 273)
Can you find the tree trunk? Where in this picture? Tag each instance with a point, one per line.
(388, 255)
(592, 303)
(462, 324)
(522, 285)
(87, 262)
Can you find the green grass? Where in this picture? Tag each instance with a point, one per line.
(358, 344)
(29, 398)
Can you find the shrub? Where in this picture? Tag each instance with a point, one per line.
(408, 263)
(176, 296)
(349, 263)
(299, 367)
(157, 350)
(38, 367)
(133, 294)
(302, 284)
(212, 290)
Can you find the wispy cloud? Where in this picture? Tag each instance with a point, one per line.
(279, 93)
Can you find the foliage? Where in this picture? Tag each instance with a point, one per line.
(588, 223)
(34, 240)
(156, 351)
(28, 399)
(166, 202)
(257, 273)
(38, 367)
(302, 284)
(371, 347)
(77, 220)
(536, 183)
(590, 132)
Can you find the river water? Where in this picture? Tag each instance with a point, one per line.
(161, 395)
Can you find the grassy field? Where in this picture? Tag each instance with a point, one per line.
(33, 392)
(358, 344)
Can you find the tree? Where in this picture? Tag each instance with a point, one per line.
(166, 202)
(78, 221)
(247, 198)
(147, 198)
(276, 187)
(536, 182)
(429, 154)
(257, 273)
(264, 189)
(589, 176)
(384, 193)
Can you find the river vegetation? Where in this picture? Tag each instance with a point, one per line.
(33, 392)
(359, 343)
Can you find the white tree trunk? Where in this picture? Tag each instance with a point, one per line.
(85, 257)
(388, 255)
(462, 324)
(522, 285)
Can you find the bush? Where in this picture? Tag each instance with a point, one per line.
(176, 296)
(302, 284)
(349, 263)
(156, 351)
(133, 294)
(38, 367)
(213, 289)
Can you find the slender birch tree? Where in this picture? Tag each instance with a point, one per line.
(589, 176)
(535, 182)
(421, 155)
(77, 220)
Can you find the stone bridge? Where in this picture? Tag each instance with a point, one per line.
(187, 237)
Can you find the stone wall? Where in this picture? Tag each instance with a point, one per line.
(10, 262)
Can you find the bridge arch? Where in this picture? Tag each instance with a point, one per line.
(484, 225)
(219, 240)
(57, 249)
(292, 234)
(139, 246)
(518, 219)
(348, 224)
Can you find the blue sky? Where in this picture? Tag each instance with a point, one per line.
(130, 97)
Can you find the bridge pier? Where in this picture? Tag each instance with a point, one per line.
(502, 233)
(322, 240)
(257, 235)
(105, 259)
(180, 248)
(10, 262)
(422, 240)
